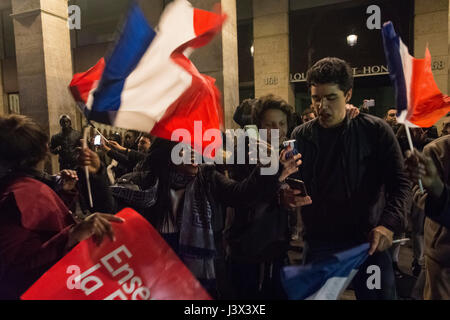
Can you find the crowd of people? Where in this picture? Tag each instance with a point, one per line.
(360, 185)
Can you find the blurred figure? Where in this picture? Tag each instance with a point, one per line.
(308, 115)
(391, 118)
(433, 168)
(64, 144)
(115, 136)
(446, 129)
(36, 226)
(244, 114)
(130, 139)
(257, 234)
(144, 143)
(128, 160)
(272, 112)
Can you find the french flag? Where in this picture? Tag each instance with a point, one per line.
(420, 103)
(148, 83)
(326, 279)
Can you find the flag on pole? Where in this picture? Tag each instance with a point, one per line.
(420, 103)
(326, 279)
(148, 83)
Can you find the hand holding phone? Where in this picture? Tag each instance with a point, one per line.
(293, 151)
(297, 185)
(97, 140)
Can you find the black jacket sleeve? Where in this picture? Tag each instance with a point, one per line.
(248, 191)
(135, 156)
(54, 143)
(398, 187)
(102, 198)
(118, 156)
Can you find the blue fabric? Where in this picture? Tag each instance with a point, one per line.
(391, 43)
(134, 41)
(300, 282)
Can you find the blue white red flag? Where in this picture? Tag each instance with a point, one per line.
(420, 103)
(148, 83)
(325, 279)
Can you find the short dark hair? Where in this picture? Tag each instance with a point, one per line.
(387, 111)
(245, 113)
(23, 143)
(271, 101)
(147, 136)
(331, 70)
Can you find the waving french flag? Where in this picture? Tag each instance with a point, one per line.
(326, 279)
(419, 100)
(148, 83)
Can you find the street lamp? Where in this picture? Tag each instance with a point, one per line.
(352, 39)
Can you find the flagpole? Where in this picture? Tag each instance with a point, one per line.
(86, 169)
(400, 240)
(408, 134)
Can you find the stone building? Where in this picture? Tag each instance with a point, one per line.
(265, 47)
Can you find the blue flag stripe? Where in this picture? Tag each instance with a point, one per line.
(300, 282)
(134, 41)
(391, 43)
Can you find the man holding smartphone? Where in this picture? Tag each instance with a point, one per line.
(350, 168)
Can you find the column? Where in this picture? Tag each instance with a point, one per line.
(3, 104)
(431, 26)
(271, 48)
(44, 62)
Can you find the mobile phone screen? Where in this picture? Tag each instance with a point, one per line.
(97, 140)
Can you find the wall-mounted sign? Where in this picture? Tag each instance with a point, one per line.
(271, 81)
(13, 103)
(438, 64)
(364, 71)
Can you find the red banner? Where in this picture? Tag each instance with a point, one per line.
(139, 265)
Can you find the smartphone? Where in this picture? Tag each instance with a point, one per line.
(252, 131)
(97, 140)
(369, 103)
(293, 152)
(297, 185)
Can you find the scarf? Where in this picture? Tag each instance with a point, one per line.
(196, 238)
(196, 241)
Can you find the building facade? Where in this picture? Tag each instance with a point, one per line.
(266, 46)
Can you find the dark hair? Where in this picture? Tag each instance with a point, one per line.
(245, 113)
(23, 143)
(116, 137)
(446, 124)
(269, 102)
(387, 111)
(147, 136)
(331, 70)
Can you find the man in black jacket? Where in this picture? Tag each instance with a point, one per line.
(353, 170)
(64, 144)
